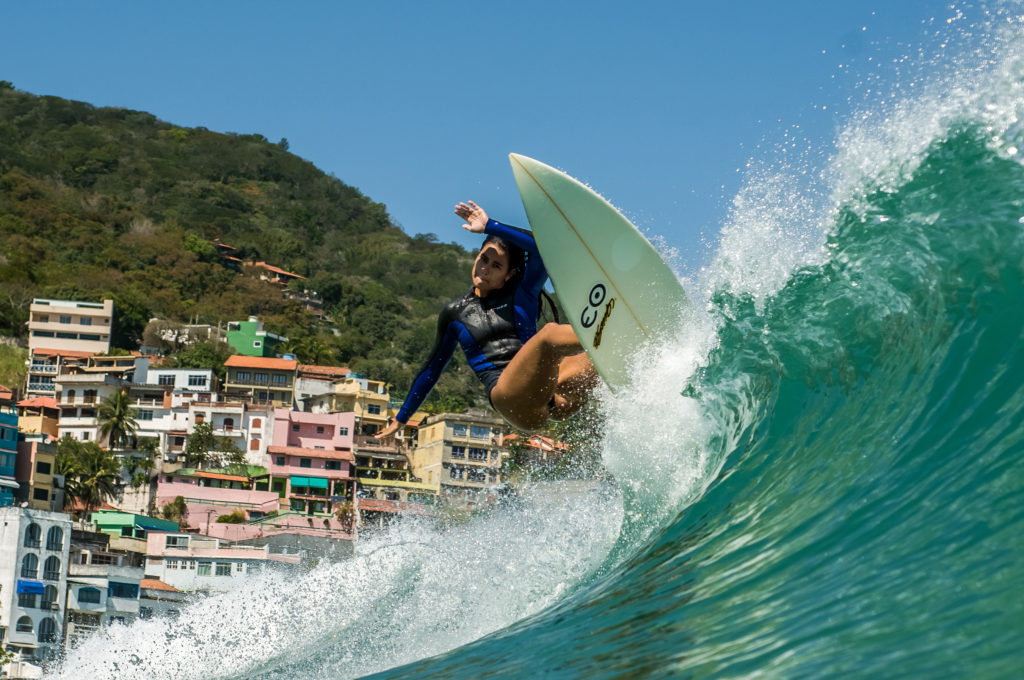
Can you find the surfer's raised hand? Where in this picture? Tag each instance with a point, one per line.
(388, 431)
(475, 216)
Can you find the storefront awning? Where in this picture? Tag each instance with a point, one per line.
(310, 482)
(31, 587)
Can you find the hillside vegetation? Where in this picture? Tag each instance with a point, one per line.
(109, 202)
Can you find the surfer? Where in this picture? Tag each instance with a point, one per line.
(530, 376)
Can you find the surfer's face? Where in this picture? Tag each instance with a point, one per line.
(490, 270)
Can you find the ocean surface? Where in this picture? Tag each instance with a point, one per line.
(821, 476)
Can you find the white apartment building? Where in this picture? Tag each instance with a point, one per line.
(70, 325)
(186, 384)
(34, 550)
(79, 396)
(194, 563)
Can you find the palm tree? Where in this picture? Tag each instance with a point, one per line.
(91, 474)
(117, 419)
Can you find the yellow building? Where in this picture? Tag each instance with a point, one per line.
(261, 380)
(70, 325)
(39, 415)
(37, 461)
(461, 453)
(368, 399)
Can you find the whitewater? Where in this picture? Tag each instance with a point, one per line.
(821, 476)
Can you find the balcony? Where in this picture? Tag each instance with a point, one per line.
(260, 382)
(47, 387)
(43, 368)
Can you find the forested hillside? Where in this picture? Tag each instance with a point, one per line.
(108, 202)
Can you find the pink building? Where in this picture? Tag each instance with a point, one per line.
(311, 462)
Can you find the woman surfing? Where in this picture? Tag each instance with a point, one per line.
(530, 376)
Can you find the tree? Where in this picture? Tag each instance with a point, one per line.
(138, 468)
(201, 443)
(117, 419)
(91, 474)
(176, 510)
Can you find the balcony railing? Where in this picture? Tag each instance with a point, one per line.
(42, 368)
(41, 387)
(256, 382)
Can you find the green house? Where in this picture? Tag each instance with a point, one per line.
(249, 338)
(129, 525)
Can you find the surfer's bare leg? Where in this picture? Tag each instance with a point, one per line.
(576, 378)
(526, 386)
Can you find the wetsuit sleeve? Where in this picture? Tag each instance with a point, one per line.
(536, 274)
(444, 346)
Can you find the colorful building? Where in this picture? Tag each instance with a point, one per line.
(461, 453)
(260, 380)
(311, 461)
(8, 446)
(35, 471)
(249, 339)
(367, 399)
(39, 416)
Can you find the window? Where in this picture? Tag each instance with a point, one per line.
(51, 570)
(477, 432)
(43, 468)
(342, 431)
(295, 427)
(144, 414)
(65, 318)
(280, 460)
(89, 336)
(256, 344)
(319, 429)
(200, 418)
(260, 378)
(43, 334)
(29, 566)
(40, 494)
(127, 532)
(305, 462)
(279, 379)
(332, 465)
(44, 318)
(458, 452)
(243, 376)
(27, 600)
(257, 423)
(55, 538)
(47, 630)
(85, 436)
(165, 379)
(88, 596)
(475, 475)
(223, 569)
(128, 590)
(85, 320)
(50, 597)
(145, 613)
(24, 625)
(176, 542)
(204, 569)
(172, 564)
(459, 430)
(455, 472)
(239, 567)
(33, 536)
(373, 409)
(229, 424)
(477, 454)
(197, 381)
(254, 444)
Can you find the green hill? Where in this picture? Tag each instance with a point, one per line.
(109, 202)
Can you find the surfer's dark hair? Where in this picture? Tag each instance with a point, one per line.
(516, 256)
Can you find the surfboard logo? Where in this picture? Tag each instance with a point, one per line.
(604, 319)
(594, 300)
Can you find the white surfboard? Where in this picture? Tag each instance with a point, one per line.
(618, 292)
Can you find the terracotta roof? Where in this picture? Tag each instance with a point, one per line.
(156, 584)
(272, 268)
(34, 402)
(214, 475)
(242, 361)
(6, 392)
(312, 453)
(62, 353)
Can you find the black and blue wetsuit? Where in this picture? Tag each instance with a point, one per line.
(490, 329)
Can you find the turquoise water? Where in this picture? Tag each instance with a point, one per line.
(823, 476)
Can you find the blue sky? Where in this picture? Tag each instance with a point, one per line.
(657, 105)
